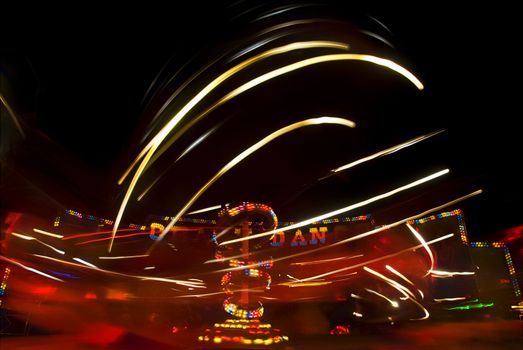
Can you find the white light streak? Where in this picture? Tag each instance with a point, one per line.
(123, 257)
(38, 272)
(214, 207)
(392, 302)
(422, 241)
(439, 273)
(387, 151)
(29, 238)
(397, 273)
(342, 210)
(85, 263)
(450, 299)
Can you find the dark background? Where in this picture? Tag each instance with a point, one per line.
(78, 80)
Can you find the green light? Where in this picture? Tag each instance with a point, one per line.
(472, 306)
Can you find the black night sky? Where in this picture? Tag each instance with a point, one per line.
(79, 82)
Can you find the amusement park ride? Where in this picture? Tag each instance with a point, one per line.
(426, 268)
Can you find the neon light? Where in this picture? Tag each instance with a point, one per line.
(472, 306)
(457, 213)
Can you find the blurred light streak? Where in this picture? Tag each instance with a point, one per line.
(364, 234)
(13, 116)
(387, 151)
(149, 267)
(450, 299)
(425, 311)
(214, 207)
(342, 210)
(158, 138)
(402, 289)
(439, 273)
(111, 238)
(168, 280)
(421, 293)
(355, 296)
(357, 314)
(422, 241)
(304, 284)
(392, 302)
(271, 137)
(150, 149)
(19, 264)
(399, 274)
(187, 150)
(375, 260)
(47, 233)
(315, 262)
(85, 263)
(87, 234)
(122, 257)
(378, 37)
(29, 238)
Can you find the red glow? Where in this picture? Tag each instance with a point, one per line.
(513, 233)
(44, 290)
(339, 330)
(90, 296)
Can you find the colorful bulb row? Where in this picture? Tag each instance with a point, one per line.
(235, 310)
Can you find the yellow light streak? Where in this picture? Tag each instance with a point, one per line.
(214, 207)
(150, 149)
(47, 233)
(245, 154)
(29, 238)
(13, 116)
(342, 210)
(223, 77)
